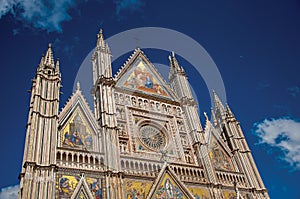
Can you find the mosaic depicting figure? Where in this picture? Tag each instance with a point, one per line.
(77, 135)
(137, 189)
(219, 159)
(67, 185)
(168, 191)
(96, 190)
(229, 195)
(142, 79)
(199, 193)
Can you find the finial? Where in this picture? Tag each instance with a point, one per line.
(205, 115)
(100, 33)
(77, 86)
(57, 65)
(100, 40)
(174, 63)
(49, 60)
(213, 116)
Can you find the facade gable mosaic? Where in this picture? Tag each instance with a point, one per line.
(137, 188)
(77, 133)
(168, 185)
(75, 186)
(200, 193)
(141, 76)
(219, 157)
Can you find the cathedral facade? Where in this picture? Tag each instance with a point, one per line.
(143, 140)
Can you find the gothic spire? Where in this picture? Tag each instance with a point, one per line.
(214, 119)
(42, 61)
(100, 40)
(78, 86)
(218, 103)
(174, 63)
(57, 66)
(229, 112)
(49, 60)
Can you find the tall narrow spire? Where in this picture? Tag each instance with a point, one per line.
(214, 119)
(217, 102)
(100, 40)
(101, 59)
(42, 61)
(174, 63)
(229, 112)
(49, 60)
(42, 131)
(57, 66)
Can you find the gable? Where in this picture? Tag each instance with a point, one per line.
(78, 129)
(219, 155)
(82, 194)
(77, 132)
(168, 185)
(74, 186)
(139, 75)
(168, 188)
(83, 190)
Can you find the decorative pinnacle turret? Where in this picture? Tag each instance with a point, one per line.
(100, 33)
(57, 65)
(100, 41)
(229, 112)
(218, 103)
(174, 63)
(214, 119)
(78, 86)
(49, 60)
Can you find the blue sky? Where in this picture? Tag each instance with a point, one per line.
(255, 45)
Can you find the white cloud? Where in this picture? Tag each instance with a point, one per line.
(45, 15)
(6, 6)
(10, 192)
(282, 133)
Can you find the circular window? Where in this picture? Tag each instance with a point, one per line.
(152, 137)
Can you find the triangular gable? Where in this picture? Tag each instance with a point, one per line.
(139, 75)
(168, 185)
(219, 152)
(82, 190)
(78, 127)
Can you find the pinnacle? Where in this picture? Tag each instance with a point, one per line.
(100, 40)
(218, 103)
(77, 86)
(49, 60)
(173, 54)
(100, 34)
(174, 63)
